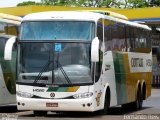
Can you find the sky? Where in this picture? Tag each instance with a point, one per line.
(13, 3)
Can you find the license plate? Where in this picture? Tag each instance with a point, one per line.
(51, 104)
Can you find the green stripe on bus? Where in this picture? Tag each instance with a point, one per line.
(62, 89)
(52, 89)
(120, 77)
(57, 89)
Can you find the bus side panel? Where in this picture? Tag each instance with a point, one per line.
(9, 73)
(5, 96)
(120, 77)
(109, 77)
(7, 77)
(129, 70)
(140, 69)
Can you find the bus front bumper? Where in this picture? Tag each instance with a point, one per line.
(85, 104)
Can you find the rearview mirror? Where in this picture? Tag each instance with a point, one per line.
(95, 50)
(8, 48)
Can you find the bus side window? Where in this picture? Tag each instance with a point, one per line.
(2, 45)
(100, 30)
(14, 47)
(107, 35)
(131, 38)
(118, 37)
(139, 41)
(127, 39)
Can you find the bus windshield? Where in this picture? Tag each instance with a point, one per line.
(57, 30)
(55, 63)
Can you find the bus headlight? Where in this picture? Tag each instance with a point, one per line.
(24, 94)
(83, 95)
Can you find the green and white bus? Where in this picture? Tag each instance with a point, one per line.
(81, 61)
(8, 29)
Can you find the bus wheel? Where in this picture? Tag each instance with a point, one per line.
(144, 92)
(40, 113)
(139, 101)
(104, 111)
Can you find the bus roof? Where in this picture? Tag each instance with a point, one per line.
(129, 23)
(77, 15)
(72, 15)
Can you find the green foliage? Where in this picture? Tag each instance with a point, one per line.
(136, 3)
(154, 3)
(110, 3)
(97, 3)
(91, 3)
(27, 3)
(54, 2)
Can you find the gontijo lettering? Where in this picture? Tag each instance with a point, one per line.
(137, 62)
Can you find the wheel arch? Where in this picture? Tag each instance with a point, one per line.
(106, 91)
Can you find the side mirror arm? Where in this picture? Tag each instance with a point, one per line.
(8, 48)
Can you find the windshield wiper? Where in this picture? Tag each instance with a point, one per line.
(64, 73)
(44, 68)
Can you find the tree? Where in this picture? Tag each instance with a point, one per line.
(92, 3)
(27, 3)
(154, 3)
(54, 2)
(97, 3)
(135, 3)
(83, 3)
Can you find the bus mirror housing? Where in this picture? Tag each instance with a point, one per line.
(95, 50)
(8, 48)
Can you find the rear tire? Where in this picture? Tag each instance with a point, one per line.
(40, 113)
(139, 101)
(144, 91)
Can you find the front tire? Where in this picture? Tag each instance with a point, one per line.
(104, 111)
(40, 113)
